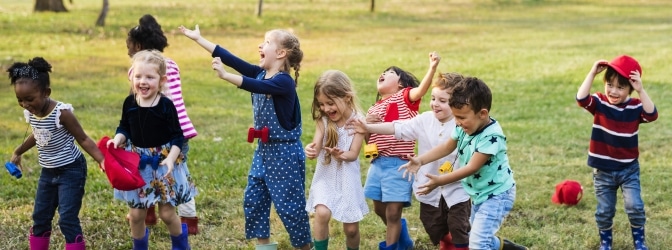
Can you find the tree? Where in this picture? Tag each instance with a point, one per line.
(103, 13)
(50, 5)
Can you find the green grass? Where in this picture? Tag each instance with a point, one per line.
(532, 53)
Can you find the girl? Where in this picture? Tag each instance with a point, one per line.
(336, 188)
(150, 126)
(148, 35)
(399, 96)
(63, 175)
(279, 161)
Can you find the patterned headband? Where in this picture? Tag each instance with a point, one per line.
(25, 71)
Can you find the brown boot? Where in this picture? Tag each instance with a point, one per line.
(192, 224)
(150, 219)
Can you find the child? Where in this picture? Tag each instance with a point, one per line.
(63, 176)
(445, 212)
(148, 35)
(279, 161)
(613, 150)
(150, 127)
(399, 98)
(485, 173)
(336, 188)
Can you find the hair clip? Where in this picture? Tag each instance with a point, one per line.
(25, 71)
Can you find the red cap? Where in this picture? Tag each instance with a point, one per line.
(624, 64)
(121, 167)
(567, 192)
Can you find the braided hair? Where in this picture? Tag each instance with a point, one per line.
(290, 43)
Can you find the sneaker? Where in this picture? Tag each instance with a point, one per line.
(509, 245)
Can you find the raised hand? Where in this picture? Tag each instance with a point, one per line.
(636, 80)
(434, 59)
(599, 66)
(193, 34)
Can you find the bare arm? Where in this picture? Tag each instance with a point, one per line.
(312, 150)
(353, 152)
(584, 89)
(71, 124)
(414, 163)
(636, 82)
(360, 126)
(647, 103)
(25, 146)
(417, 93)
(475, 163)
(438, 152)
(169, 162)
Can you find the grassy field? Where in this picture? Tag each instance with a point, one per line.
(532, 53)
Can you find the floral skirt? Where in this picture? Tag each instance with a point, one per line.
(174, 189)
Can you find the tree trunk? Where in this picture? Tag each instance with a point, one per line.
(50, 5)
(261, 2)
(103, 13)
(373, 4)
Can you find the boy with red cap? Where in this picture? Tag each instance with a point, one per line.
(613, 150)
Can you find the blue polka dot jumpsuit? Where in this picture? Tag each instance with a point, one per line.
(277, 175)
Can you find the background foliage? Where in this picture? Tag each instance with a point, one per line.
(532, 53)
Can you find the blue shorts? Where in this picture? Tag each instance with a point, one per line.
(385, 183)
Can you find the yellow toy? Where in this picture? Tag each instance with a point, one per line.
(446, 168)
(371, 150)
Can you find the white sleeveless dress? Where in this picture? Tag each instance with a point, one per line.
(338, 185)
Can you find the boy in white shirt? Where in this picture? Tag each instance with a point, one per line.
(445, 211)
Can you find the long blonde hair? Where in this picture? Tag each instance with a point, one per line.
(336, 85)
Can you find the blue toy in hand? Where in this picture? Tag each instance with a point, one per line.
(13, 170)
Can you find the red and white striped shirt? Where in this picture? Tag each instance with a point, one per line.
(395, 107)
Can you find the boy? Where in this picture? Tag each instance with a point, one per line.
(613, 148)
(446, 210)
(485, 172)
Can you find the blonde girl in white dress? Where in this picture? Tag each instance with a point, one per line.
(336, 190)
